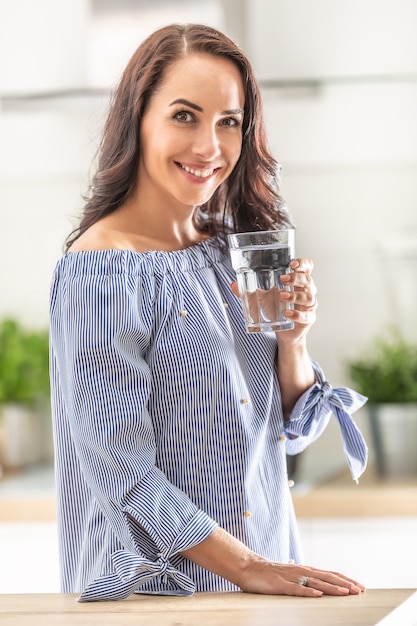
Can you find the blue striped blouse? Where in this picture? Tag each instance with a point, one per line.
(168, 421)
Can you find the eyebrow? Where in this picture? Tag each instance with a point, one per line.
(196, 107)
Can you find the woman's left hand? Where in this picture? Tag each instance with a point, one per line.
(303, 296)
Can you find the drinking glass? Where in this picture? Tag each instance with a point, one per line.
(260, 259)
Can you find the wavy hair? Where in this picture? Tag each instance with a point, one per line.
(248, 200)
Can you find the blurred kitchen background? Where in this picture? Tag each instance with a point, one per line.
(339, 83)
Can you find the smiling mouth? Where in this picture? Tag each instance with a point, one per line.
(198, 173)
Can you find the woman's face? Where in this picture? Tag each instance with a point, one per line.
(191, 133)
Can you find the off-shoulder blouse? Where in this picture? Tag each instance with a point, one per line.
(168, 421)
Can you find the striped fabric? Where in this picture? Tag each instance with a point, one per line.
(168, 421)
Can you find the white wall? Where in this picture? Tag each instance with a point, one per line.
(332, 38)
(43, 147)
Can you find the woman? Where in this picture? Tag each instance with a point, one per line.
(172, 424)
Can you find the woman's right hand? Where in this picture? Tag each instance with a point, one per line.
(265, 577)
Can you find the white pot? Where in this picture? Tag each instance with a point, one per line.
(22, 436)
(394, 433)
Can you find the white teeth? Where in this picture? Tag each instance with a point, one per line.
(198, 173)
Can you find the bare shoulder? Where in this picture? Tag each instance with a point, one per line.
(101, 237)
(90, 240)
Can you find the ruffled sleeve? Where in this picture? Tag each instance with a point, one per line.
(311, 415)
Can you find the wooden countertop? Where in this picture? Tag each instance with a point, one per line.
(382, 607)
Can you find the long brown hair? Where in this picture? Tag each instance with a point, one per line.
(248, 200)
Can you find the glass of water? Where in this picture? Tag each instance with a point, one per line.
(260, 259)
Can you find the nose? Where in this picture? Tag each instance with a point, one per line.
(206, 142)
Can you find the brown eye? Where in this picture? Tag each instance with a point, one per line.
(230, 121)
(183, 116)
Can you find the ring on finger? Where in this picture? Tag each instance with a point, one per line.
(303, 580)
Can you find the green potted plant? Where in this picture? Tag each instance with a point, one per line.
(24, 393)
(386, 372)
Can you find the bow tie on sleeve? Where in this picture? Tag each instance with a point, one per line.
(130, 572)
(343, 402)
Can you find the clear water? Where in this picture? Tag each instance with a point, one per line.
(259, 270)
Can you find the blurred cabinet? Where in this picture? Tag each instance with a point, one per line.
(292, 39)
(37, 51)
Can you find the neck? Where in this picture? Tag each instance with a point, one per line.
(164, 230)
